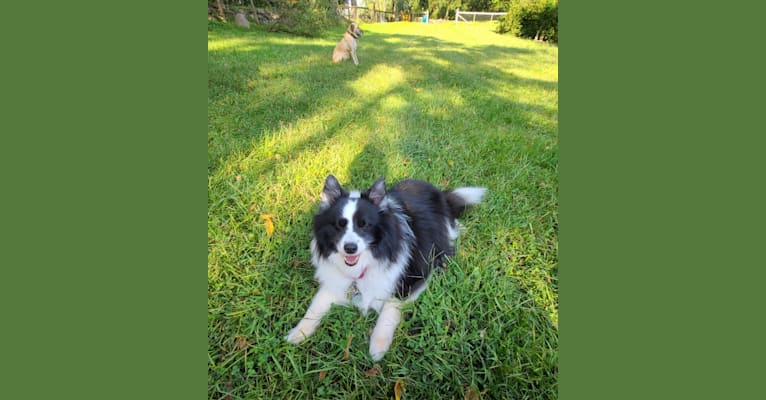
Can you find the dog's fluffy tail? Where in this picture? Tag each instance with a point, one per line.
(458, 199)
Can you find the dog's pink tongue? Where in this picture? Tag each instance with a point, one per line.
(351, 260)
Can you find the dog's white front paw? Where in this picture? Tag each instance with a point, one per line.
(297, 335)
(379, 345)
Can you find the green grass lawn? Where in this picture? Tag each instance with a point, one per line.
(454, 105)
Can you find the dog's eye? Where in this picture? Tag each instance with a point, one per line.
(342, 223)
(361, 223)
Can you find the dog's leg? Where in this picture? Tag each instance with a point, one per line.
(383, 334)
(320, 305)
(353, 55)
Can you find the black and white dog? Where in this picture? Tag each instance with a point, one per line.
(376, 249)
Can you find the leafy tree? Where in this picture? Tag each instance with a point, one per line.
(441, 8)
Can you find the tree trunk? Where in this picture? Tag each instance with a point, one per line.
(220, 11)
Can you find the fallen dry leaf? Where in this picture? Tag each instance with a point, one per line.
(373, 371)
(471, 394)
(241, 342)
(268, 223)
(238, 178)
(322, 375)
(346, 354)
(398, 389)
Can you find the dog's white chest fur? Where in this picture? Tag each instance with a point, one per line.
(377, 284)
(375, 287)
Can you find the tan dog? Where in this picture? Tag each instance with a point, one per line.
(347, 46)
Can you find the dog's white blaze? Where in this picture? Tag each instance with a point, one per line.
(471, 195)
(348, 210)
(355, 194)
(349, 236)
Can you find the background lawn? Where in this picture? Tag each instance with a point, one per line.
(454, 105)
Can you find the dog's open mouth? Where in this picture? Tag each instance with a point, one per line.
(351, 260)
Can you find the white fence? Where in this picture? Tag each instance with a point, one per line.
(459, 15)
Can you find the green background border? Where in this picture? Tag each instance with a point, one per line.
(104, 164)
(660, 211)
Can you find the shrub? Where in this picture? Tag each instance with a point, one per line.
(300, 17)
(306, 17)
(538, 19)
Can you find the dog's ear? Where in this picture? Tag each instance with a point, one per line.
(377, 191)
(330, 193)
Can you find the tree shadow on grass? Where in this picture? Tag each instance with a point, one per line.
(369, 165)
(251, 97)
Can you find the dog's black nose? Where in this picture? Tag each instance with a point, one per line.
(350, 248)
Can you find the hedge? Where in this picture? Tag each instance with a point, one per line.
(537, 19)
